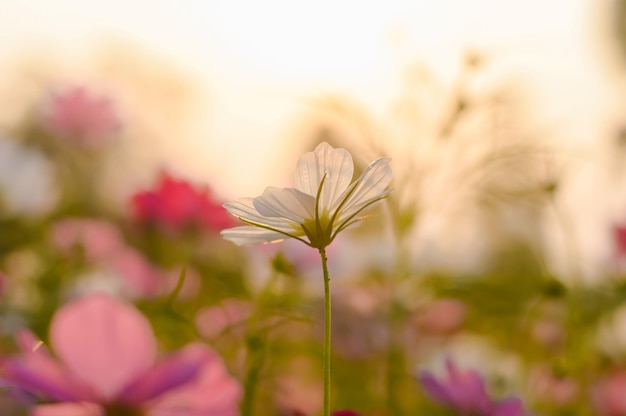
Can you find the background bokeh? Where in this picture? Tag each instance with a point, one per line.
(124, 126)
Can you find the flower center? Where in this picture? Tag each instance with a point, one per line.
(318, 230)
(118, 409)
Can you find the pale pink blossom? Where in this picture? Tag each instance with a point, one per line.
(607, 394)
(107, 362)
(101, 244)
(442, 316)
(79, 115)
(228, 315)
(299, 397)
(99, 240)
(551, 388)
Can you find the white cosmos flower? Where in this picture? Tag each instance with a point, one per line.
(324, 202)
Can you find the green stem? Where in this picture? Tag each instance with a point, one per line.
(326, 332)
(394, 365)
(254, 364)
(255, 348)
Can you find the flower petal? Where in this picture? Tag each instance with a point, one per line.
(178, 369)
(287, 203)
(249, 234)
(509, 407)
(434, 389)
(35, 372)
(244, 209)
(213, 393)
(336, 164)
(39, 375)
(371, 185)
(103, 341)
(68, 409)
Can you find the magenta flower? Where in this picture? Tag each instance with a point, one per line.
(345, 413)
(177, 204)
(107, 366)
(464, 391)
(79, 115)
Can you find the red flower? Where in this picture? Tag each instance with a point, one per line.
(177, 204)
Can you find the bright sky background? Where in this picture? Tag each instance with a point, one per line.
(260, 59)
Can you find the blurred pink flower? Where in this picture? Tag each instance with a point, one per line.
(296, 396)
(619, 239)
(190, 288)
(442, 316)
(549, 387)
(140, 277)
(345, 413)
(3, 283)
(98, 239)
(102, 244)
(79, 115)
(107, 363)
(176, 204)
(464, 391)
(607, 394)
(229, 315)
(548, 333)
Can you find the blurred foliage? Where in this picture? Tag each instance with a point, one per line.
(258, 307)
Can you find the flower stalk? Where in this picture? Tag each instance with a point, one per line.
(327, 323)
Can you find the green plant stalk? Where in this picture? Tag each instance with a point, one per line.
(394, 364)
(326, 332)
(255, 347)
(254, 364)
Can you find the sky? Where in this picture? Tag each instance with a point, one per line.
(261, 60)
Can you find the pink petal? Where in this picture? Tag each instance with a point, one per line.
(168, 374)
(509, 407)
(140, 278)
(213, 393)
(103, 341)
(36, 373)
(68, 409)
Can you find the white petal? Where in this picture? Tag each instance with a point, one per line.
(285, 203)
(249, 234)
(336, 164)
(373, 184)
(244, 209)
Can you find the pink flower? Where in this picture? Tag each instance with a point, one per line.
(99, 240)
(107, 363)
(102, 243)
(551, 388)
(3, 283)
(607, 394)
(229, 315)
(345, 413)
(442, 316)
(177, 204)
(465, 392)
(619, 239)
(81, 116)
